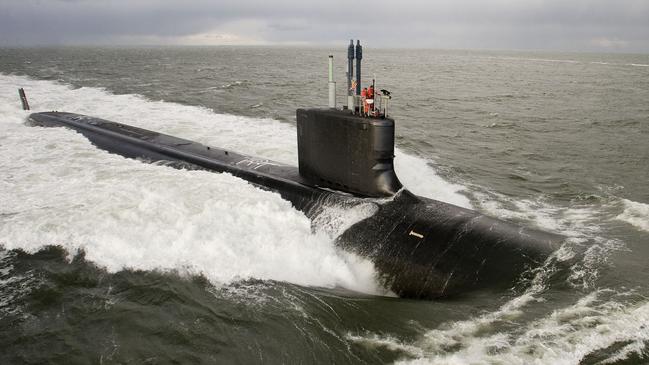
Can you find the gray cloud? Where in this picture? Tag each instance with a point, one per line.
(621, 25)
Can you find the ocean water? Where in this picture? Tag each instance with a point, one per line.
(110, 260)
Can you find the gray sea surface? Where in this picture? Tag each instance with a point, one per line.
(107, 260)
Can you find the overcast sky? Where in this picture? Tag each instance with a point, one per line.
(569, 25)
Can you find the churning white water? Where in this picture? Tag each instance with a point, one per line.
(57, 189)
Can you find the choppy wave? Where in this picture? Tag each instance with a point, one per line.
(636, 214)
(604, 327)
(581, 223)
(13, 286)
(535, 59)
(593, 328)
(568, 61)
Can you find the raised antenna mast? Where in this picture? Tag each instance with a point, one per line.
(23, 98)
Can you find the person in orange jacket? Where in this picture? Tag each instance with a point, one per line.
(364, 100)
(370, 95)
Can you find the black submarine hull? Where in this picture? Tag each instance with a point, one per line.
(422, 248)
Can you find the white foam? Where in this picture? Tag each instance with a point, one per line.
(573, 221)
(566, 336)
(416, 174)
(334, 219)
(636, 214)
(374, 341)
(550, 60)
(56, 188)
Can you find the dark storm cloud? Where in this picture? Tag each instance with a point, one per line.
(544, 24)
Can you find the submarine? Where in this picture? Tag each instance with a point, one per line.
(421, 248)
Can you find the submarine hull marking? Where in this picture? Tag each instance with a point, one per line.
(459, 250)
(256, 164)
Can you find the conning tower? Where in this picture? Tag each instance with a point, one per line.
(350, 149)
